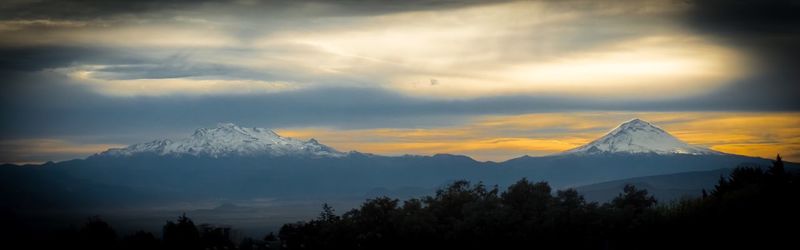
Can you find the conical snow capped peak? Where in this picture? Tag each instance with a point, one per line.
(637, 125)
(228, 139)
(638, 136)
(636, 122)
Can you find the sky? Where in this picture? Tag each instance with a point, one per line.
(492, 80)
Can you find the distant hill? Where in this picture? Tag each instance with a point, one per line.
(665, 188)
(232, 162)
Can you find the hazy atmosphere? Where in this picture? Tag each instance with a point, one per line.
(415, 124)
(490, 79)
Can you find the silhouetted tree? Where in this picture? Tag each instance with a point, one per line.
(270, 237)
(248, 244)
(633, 200)
(141, 240)
(777, 168)
(777, 174)
(97, 234)
(215, 237)
(292, 235)
(525, 204)
(375, 222)
(327, 214)
(182, 234)
(528, 199)
(569, 223)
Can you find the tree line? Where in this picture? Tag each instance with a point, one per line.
(751, 208)
(181, 234)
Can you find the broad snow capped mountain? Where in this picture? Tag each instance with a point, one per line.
(228, 139)
(637, 136)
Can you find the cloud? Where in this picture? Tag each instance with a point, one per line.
(100, 9)
(171, 85)
(373, 120)
(116, 33)
(515, 48)
(620, 51)
(630, 70)
(44, 104)
(107, 69)
(767, 32)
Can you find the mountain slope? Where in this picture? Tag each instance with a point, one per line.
(584, 169)
(229, 161)
(665, 188)
(637, 136)
(232, 164)
(228, 139)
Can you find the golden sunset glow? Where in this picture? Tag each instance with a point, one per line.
(488, 79)
(31, 150)
(453, 123)
(499, 138)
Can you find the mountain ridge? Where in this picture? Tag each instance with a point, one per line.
(637, 136)
(228, 139)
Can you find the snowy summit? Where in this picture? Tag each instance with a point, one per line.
(637, 136)
(228, 139)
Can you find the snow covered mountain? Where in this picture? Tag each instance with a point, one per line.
(228, 139)
(638, 136)
(289, 168)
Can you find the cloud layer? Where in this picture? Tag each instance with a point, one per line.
(112, 72)
(471, 51)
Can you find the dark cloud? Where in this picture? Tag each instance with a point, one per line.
(37, 105)
(45, 57)
(93, 9)
(118, 64)
(768, 31)
(746, 18)
(172, 67)
(85, 9)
